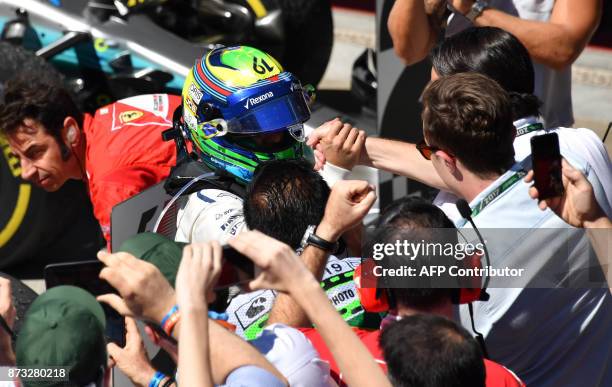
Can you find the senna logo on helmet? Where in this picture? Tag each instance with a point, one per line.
(256, 100)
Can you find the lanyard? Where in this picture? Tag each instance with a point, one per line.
(503, 187)
(528, 128)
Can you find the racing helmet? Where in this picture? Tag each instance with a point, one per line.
(240, 108)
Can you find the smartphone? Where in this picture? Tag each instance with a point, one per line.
(547, 165)
(86, 275)
(238, 268)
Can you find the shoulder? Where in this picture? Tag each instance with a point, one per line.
(500, 376)
(215, 196)
(211, 214)
(141, 110)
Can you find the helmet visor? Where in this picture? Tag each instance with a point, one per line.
(272, 116)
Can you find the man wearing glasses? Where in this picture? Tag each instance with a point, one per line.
(538, 332)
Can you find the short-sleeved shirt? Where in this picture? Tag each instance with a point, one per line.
(581, 145)
(553, 87)
(294, 356)
(497, 375)
(125, 153)
(541, 332)
(250, 375)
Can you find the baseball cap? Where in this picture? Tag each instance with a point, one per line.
(158, 250)
(64, 327)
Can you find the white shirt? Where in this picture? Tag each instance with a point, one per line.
(553, 87)
(290, 351)
(580, 144)
(549, 337)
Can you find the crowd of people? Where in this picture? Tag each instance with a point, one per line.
(308, 312)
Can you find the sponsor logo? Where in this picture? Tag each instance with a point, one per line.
(190, 120)
(253, 309)
(230, 221)
(257, 100)
(257, 306)
(342, 297)
(158, 103)
(191, 105)
(195, 93)
(130, 115)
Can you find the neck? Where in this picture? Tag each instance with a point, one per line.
(472, 185)
(444, 309)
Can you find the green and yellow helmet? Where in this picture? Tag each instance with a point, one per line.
(240, 108)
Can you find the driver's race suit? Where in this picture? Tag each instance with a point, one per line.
(212, 214)
(125, 152)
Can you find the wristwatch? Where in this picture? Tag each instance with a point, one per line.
(476, 10)
(310, 238)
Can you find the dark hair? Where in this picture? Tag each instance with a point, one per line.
(495, 53)
(414, 219)
(284, 197)
(46, 102)
(469, 115)
(414, 212)
(431, 351)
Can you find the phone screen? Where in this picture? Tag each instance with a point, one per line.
(85, 275)
(547, 165)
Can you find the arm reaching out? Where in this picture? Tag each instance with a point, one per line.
(555, 43)
(282, 269)
(415, 26)
(398, 157)
(348, 204)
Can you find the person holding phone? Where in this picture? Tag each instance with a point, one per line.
(468, 136)
(284, 271)
(578, 207)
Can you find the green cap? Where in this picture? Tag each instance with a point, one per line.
(64, 327)
(162, 252)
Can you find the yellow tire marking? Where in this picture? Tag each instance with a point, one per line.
(258, 8)
(18, 214)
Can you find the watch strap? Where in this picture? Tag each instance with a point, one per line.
(310, 238)
(322, 244)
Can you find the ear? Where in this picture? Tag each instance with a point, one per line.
(71, 133)
(450, 162)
